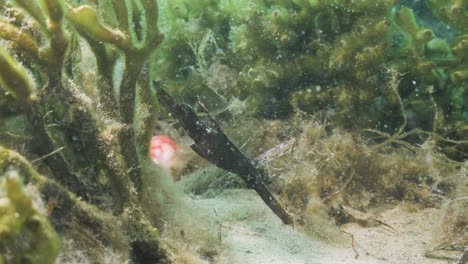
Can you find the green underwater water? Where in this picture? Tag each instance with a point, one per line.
(370, 99)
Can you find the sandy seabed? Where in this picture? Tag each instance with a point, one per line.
(251, 234)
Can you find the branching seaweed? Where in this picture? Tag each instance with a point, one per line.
(86, 134)
(431, 137)
(397, 137)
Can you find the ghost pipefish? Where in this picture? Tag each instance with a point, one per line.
(211, 143)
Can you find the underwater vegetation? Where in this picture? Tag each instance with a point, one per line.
(25, 233)
(76, 121)
(78, 112)
(271, 58)
(329, 178)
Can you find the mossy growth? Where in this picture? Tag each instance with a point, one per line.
(330, 57)
(25, 232)
(331, 177)
(76, 115)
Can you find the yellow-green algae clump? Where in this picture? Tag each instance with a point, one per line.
(26, 236)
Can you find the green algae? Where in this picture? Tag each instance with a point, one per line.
(26, 235)
(319, 57)
(76, 135)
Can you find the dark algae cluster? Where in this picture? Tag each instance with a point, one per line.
(337, 57)
(371, 96)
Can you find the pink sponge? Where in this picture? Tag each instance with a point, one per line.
(162, 150)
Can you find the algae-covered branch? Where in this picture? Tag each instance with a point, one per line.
(71, 86)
